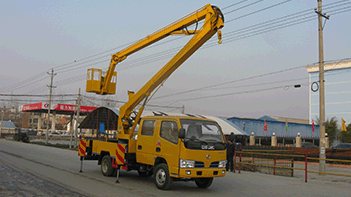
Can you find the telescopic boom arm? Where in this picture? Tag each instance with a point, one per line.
(214, 21)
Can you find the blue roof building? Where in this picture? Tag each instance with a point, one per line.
(7, 124)
(275, 125)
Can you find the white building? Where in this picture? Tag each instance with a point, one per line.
(337, 76)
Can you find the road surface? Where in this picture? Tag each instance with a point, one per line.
(34, 170)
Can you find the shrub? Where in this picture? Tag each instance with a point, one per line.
(21, 137)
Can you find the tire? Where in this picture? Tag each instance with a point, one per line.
(203, 182)
(162, 179)
(106, 166)
(145, 174)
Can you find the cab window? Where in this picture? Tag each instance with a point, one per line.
(148, 128)
(169, 131)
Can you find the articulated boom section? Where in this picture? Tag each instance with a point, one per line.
(213, 23)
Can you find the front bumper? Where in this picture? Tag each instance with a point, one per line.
(201, 172)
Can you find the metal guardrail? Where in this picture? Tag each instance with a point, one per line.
(249, 159)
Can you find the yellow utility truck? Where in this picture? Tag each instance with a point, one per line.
(171, 148)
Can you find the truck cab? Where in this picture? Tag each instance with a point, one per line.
(181, 148)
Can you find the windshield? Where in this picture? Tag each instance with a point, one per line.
(201, 134)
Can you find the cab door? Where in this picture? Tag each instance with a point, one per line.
(146, 143)
(167, 145)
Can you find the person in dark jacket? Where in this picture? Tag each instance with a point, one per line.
(230, 152)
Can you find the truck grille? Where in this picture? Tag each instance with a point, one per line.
(199, 164)
(214, 164)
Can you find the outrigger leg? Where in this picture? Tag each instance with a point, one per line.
(118, 168)
(81, 164)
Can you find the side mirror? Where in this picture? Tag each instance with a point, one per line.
(181, 134)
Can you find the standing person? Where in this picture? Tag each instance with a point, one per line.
(230, 155)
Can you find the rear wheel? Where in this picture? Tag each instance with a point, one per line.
(162, 179)
(203, 182)
(106, 166)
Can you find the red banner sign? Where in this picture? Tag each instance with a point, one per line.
(67, 107)
(56, 107)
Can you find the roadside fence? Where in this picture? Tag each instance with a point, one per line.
(279, 162)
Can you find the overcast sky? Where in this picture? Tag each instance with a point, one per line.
(72, 36)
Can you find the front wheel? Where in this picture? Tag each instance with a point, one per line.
(162, 179)
(203, 182)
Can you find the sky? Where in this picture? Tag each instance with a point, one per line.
(266, 46)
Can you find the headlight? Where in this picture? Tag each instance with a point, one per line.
(222, 164)
(186, 163)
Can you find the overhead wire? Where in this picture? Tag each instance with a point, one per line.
(53, 100)
(123, 102)
(63, 65)
(69, 65)
(33, 95)
(258, 90)
(229, 82)
(245, 6)
(234, 93)
(160, 57)
(267, 74)
(234, 4)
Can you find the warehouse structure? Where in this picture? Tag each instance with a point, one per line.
(282, 127)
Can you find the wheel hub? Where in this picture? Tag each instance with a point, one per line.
(161, 176)
(104, 166)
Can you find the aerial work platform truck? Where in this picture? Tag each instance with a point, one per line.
(169, 148)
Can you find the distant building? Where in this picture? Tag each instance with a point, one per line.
(337, 76)
(7, 127)
(12, 114)
(36, 115)
(277, 125)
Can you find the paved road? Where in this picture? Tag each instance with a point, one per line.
(47, 171)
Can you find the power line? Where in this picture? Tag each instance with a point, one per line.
(123, 102)
(234, 93)
(160, 57)
(233, 81)
(33, 95)
(36, 100)
(242, 7)
(272, 21)
(65, 66)
(234, 4)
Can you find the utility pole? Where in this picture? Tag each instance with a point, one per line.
(321, 91)
(71, 129)
(52, 74)
(2, 120)
(77, 121)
